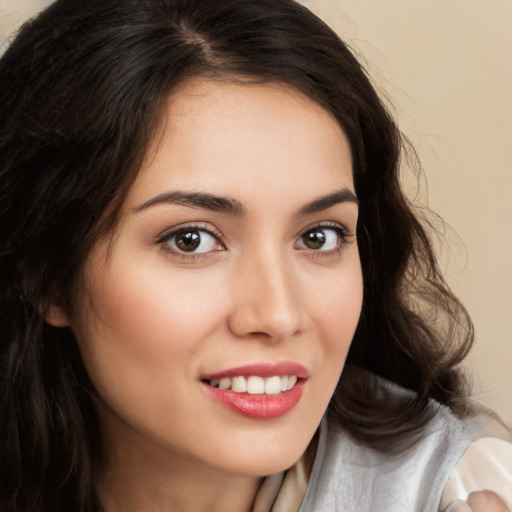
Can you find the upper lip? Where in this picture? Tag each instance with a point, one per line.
(262, 370)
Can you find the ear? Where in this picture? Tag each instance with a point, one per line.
(57, 316)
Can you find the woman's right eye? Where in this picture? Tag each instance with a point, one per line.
(192, 240)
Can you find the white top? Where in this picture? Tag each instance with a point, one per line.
(452, 459)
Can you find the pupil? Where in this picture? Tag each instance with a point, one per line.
(314, 239)
(188, 241)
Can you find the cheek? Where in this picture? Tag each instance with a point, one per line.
(334, 309)
(140, 332)
(151, 313)
(335, 306)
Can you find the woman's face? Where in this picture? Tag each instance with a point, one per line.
(235, 265)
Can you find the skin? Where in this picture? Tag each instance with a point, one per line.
(481, 501)
(151, 319)
(486, 501)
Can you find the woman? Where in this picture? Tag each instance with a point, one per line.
(215, 295)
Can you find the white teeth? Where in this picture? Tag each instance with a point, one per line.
(292, 380)
(255, 385)
(225, 383)
(239, 384)
(273, 386)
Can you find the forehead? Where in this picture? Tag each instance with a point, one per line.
(231, 137)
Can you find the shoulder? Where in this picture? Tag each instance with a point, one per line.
(348, 475)
(485, 464)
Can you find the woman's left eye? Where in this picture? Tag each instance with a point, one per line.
(191, 240)
(323, 239)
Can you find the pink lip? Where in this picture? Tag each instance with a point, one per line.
(259, 406)
(263, 407)
(262, 370)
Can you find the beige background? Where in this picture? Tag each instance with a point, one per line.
(447, 67)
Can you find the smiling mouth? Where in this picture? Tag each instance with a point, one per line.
(255, 385)
(254, 396)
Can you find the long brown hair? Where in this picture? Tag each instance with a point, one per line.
(81, 89)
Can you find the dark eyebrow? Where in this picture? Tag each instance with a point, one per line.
(233, 207)
(197, 199)
(323, 203)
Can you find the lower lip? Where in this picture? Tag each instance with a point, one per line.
(263, 407)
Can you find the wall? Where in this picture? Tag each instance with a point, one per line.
(447, 67)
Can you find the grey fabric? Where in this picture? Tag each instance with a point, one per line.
(348, 477)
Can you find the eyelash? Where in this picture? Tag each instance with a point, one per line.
(344, 238)
(190, 256)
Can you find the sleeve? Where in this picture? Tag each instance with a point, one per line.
(485, 465)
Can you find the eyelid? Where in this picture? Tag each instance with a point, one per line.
(199, 226)
(328, 225)
(184, 256)
(344, 234)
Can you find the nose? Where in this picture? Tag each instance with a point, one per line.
(266, 301)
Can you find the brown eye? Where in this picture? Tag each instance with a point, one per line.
(190, 240)
(323, 238)
(314, 239)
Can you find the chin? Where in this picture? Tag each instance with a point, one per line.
(263, 457)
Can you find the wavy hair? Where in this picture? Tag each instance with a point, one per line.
(81, 91)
